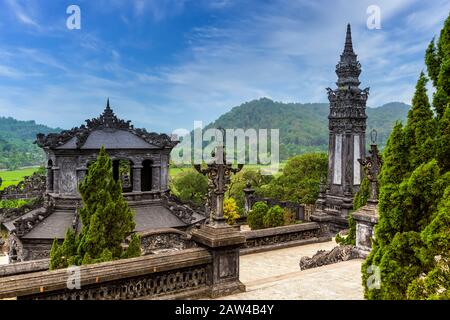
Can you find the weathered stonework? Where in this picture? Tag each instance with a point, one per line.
(347, 126)
(165, 240)
(33, 186)
(24, 267)
(366, 218)
(145, 287)
(282, 237)
(322, 257)
(149, 277)
(69, 155)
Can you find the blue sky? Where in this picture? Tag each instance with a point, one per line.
(166, 63)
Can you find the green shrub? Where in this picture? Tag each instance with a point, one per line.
(256, 215)
(300, 179)
(190, 185)
(274, 217)
(230, 210)
(13, 203)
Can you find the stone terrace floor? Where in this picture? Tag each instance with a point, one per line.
(276, 275)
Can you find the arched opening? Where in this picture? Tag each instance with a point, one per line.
(122, 169)
(146, 175)
(50, 181)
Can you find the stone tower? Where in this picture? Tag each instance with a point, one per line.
(347, 126)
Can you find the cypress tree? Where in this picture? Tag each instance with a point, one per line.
(404, 213)
(432, 62)
(438, 65)
(436, 238)
(443, 141)
(395, 157)
(107, 221)
(412, 242)
(420, 127)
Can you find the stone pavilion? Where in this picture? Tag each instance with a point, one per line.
(140, 160)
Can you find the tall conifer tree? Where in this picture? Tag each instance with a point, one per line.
(411, 247)
(421, 127)
(107, 221)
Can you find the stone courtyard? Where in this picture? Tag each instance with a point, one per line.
(275, 275)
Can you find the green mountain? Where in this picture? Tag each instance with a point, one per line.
(304, 127)
(16, 143)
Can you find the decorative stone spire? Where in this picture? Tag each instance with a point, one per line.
(348, 69)
(348, 40)
(347, 127)
(108, 117)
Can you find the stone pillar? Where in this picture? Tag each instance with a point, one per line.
(137, 178)
(223, 243)
(248, 197)
(222, 240)
(56, 178)
(320, 215)
(366, 218)
(156, 177)
(164, 177)
(49, 179)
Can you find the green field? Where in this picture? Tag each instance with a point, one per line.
(15, 176)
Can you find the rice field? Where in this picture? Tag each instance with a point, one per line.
(15, 176)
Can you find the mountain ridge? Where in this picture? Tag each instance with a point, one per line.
(304, 126)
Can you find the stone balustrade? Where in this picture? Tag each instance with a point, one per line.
(282, 237)
(24, 267)
(176, 273)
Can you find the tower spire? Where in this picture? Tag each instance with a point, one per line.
(348, 40)
(107, 104)
(348, 69)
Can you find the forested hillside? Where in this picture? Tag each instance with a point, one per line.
(16, 143)
(304, 127)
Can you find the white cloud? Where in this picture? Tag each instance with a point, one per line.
(285, 50)
(21, 13)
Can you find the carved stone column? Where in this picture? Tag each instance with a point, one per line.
(222, 240)
(156, 177)
(56, 178)
(164, 177)
(137, 178)
(49, 179)
(248, 197)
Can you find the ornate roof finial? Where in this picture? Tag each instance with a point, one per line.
(348, 40)
(107, 104)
